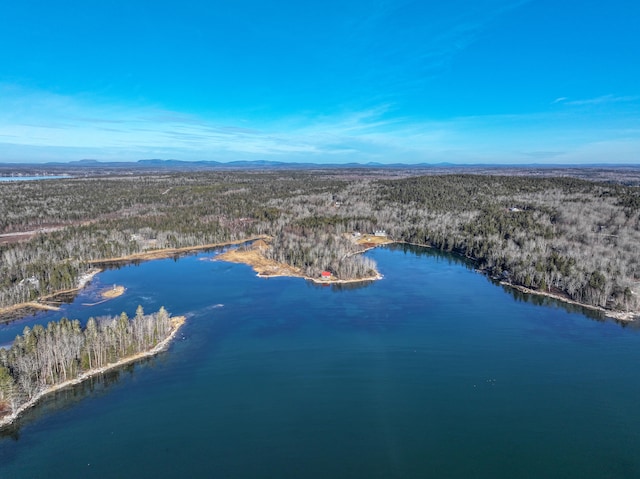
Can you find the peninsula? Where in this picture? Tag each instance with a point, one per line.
(44, 360)
(259, 256)
(47, 302)
(567, 232)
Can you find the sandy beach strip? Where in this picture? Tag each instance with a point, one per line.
(113, 292)
(13, 310)
(268, 268)
(41, 303)
(610, 313)
(28, 305)
(168, 252)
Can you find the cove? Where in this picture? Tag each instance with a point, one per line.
(433, 371)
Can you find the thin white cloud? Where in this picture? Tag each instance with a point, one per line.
(37, 126)
(601, 100)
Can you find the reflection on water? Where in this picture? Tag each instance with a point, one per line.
(419, 251)
(542, 300)
(69, 397)
(338, 287)
(518, 295)
(431, 372)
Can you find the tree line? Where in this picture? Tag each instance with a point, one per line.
(45, 356)
(565, 235)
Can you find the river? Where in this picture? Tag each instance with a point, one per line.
(433, 371)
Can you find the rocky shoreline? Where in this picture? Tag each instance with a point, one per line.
(9, 419)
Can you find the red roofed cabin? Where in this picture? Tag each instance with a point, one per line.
(325, 274)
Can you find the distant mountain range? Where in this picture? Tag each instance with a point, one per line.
(181, 164)
(158, 164)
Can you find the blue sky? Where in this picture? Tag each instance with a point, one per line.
(462, 81)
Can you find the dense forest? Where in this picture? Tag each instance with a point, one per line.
(564, 235)
(43, 357)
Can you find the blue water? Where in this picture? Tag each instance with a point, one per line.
(32, 178)
(431, 372)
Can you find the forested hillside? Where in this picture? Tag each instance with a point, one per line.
(568, 236)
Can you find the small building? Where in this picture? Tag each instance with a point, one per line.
(325, 274)
(382, 233)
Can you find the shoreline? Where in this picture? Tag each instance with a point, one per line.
(37, 304)
(249, 256)
(158, 348)
(343, 281)
(626, 316)
(281, 270)
(111, 293)
(316, 280)
(28, 305)
(267, 268)
(40, 303)
(168, 252)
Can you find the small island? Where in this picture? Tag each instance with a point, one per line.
(44, 360)
(568, 233)
(113, 292)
